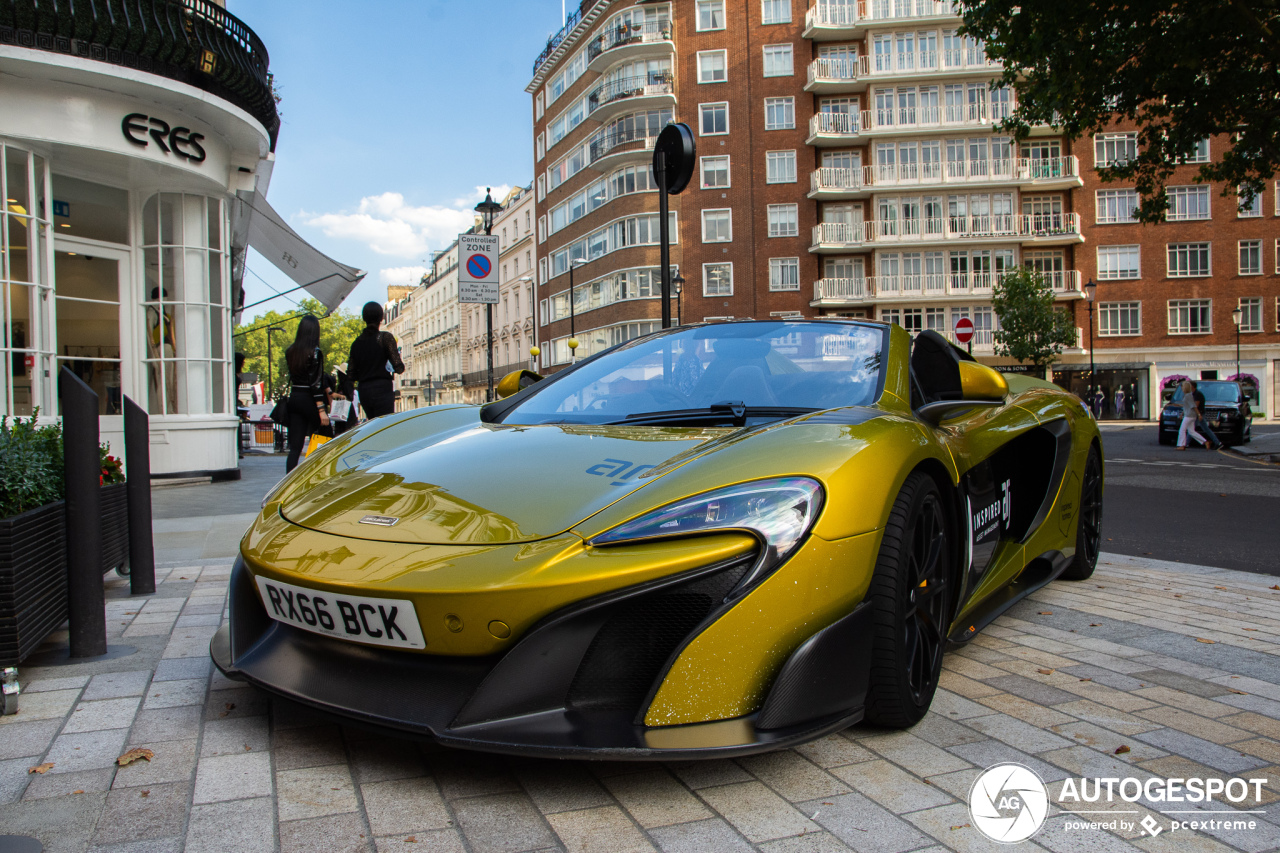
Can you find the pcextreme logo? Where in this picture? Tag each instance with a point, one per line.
(1008, 803)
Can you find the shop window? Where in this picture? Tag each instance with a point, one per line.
(185, 310)
(92, 211)
(27, 373)
(87, 311)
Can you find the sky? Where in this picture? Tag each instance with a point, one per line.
(395, 116)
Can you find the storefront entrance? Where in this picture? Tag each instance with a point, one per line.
(1112, 392)
(90, 280)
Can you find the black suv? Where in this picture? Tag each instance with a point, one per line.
(1226, 411)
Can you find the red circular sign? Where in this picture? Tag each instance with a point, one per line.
(964, 330)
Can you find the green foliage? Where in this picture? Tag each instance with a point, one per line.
(1031, 329)
(112, 467)
(1182, 72)
(337, 331)
(30, 465)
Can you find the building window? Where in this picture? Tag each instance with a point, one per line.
(778, 61)
(1116, 206)
(710, 15)
(779, 113)
(712, 66)
(1201, 154)
(780, 167)
(1119, 262)
(784, 220)
(717, 226)
(541, 146)
(1114, 149)
(784, 273)
(775, 11)
(1250, 257)
(1252, 210)
(715, 172)
(539, 104)
(1119, 318)
(717, 279)
(1186, 203)
(1188, 260)
(1190, 316)
(713, 119)
(1251, 314)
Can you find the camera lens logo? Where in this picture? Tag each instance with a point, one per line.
(1008, 803)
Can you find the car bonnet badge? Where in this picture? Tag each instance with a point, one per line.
(380, 520)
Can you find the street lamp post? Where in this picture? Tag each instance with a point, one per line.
(678, 282)
(1236, 317)
(431, 391)
(1090, 293)
(489, 210)
(573, 336)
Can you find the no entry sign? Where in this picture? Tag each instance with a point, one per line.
(478, 268)
(964, 330)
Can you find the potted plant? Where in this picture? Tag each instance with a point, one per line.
(115, 514)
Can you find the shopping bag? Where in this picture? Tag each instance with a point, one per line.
(316, 440)
(339, 410)
(280, 411)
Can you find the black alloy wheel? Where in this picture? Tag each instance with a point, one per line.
(1089, 525)
(911, 596)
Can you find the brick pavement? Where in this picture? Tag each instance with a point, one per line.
(1180, 664)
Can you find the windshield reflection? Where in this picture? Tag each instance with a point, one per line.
(766, 367)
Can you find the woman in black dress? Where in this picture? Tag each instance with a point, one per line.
(307, 412)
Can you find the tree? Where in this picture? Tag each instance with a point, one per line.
(1031, 329)
(1182, 72)
(337, 331)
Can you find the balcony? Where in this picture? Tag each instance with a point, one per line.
(1047, 173)
(609, 148)
(831, 292)
(827, 129)
(628, 41)
(853, 74)
(1048, 229)
(835, 20)
(640, 92)
(191, 41)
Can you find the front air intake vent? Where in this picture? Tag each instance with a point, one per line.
(634, 644)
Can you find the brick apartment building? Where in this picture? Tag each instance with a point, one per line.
(849, 164)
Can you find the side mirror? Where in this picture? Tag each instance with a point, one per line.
(980, 387)
(516, 381)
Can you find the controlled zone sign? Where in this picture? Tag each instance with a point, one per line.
(964, 330)
(478, 268)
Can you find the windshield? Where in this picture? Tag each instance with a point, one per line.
(800, 366)
(1214, 392)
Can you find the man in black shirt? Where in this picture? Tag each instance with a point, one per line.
(374, 356)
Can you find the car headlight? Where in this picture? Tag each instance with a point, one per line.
(778, 512)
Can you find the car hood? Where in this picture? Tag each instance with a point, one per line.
(447, 478)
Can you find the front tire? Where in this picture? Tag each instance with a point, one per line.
(911, 599)
(1089, 523)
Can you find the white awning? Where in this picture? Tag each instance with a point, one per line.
(315, 272)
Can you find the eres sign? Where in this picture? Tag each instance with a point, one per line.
(179, 141)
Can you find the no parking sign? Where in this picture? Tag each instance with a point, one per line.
(478, 268)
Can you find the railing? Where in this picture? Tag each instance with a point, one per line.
(837, 178)
(846, 13)
(838, 69)
(836, 124)
(951, 115)
(930, 286)
(606, 142)
(650, 32)
(554, 41)
(192, 41)
(629, 87)
(852, 69)
(977, 226)
(972, 171)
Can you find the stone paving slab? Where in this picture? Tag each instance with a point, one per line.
(1147, 670)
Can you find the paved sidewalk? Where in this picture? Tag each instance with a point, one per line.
(1178, 664)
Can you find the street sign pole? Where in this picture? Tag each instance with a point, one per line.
(478, 284)
(673, 158)
(664, 239)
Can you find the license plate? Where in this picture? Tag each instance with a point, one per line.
(378, 621)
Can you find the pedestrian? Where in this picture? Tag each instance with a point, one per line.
(372, 362)
(1202, 423)
(306, 403)
(1188, 427)
(353, 417)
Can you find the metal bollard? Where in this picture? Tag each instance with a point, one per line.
(137, 446)
(86, 599)
(9, 690)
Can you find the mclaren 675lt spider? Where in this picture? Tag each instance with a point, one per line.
(706, 541)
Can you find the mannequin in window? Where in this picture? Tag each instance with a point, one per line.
(162, 344)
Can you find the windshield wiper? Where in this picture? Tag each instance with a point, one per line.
(734, 411)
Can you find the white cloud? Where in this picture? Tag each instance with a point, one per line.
(401, 275)
(389, 226)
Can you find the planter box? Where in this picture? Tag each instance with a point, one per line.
(33, 579)
(115, 527)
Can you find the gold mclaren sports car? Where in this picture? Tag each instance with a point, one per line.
(707, 541)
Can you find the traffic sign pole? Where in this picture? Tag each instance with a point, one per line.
(664, 247)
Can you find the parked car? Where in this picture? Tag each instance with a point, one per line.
(707, 541)
(1227, 412)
